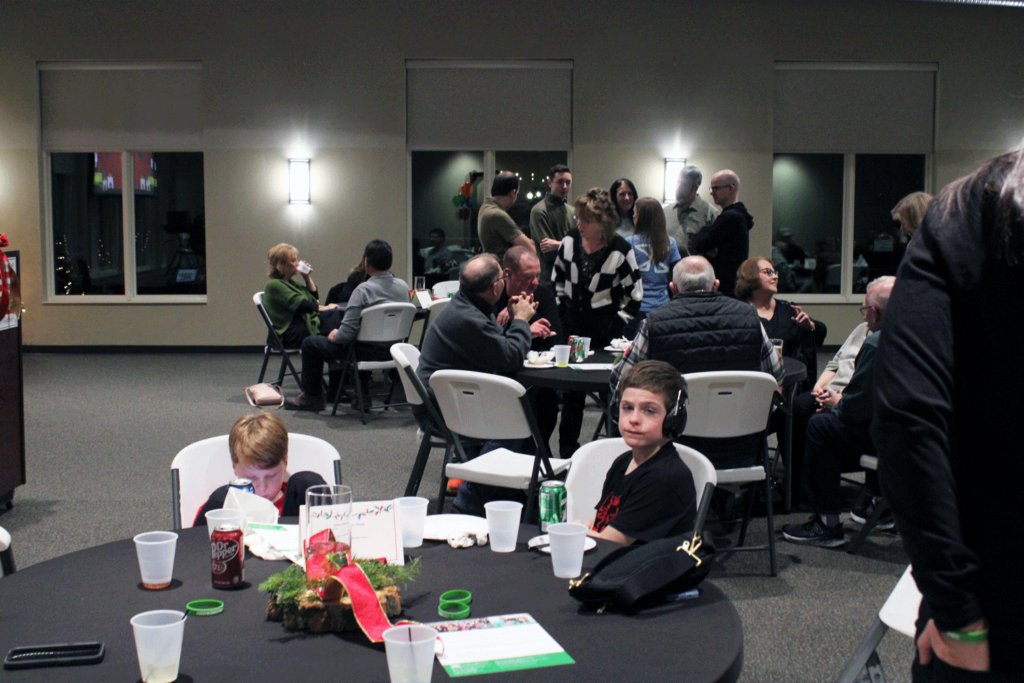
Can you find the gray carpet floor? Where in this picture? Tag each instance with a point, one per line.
(101, 431)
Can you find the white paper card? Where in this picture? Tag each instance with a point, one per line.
(376, 531)
(493, 644)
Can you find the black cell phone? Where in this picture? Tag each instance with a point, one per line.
(61, 654)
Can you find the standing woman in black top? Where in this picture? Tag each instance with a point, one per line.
(599, 290)
(757, 283)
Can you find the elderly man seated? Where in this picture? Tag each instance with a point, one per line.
(838, 435)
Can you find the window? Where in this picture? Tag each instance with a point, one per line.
(852, 139)
(831, 209)
(125, 205)
(155, 233)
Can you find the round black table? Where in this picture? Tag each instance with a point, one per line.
(594, 383)
(91, 595)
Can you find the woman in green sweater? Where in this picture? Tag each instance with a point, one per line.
(293, 306)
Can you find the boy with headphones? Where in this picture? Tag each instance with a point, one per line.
(648, 493)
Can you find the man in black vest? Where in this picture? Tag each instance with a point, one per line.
(702, 330)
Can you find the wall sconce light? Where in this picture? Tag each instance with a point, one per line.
(298, 181)
(672, 169)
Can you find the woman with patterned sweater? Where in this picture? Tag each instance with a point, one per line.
(599, 291)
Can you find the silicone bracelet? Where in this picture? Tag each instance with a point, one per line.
(969, 636)
(453, 610)
(205, 608)
(457, 595)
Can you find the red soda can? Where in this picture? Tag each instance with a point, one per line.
(227, 557)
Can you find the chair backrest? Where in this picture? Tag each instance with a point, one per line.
(728, 403)
(442, 289)
(481, 406)
(434, 308)
(590, 465)
(200, 468)
(6, 554)
(386, 323)
(273, 340)
(407, 357)
(900, 609)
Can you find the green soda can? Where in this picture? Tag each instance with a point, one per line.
(577, 350)
(552, 503)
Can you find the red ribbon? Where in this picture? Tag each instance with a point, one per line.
(365, 604)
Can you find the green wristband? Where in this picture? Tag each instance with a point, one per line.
(205, 608)
(971, 637)
(453, 610)
(457, 595)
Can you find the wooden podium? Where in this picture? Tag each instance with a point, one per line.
(12, 405)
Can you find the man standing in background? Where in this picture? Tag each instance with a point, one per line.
(551, 219)
(497, 231)
(685, 217)
(726, 242)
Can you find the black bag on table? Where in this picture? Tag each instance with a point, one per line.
(639, 576)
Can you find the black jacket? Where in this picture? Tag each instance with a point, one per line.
(728, 234)
(705, 331)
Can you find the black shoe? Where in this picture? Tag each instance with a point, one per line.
(304, 401)
(814, 532)
(862, 513)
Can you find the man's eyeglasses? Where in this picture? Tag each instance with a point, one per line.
(865, 309)
(719, 187)
(769, 272)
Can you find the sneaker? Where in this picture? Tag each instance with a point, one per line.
(305, 402)
(862, 513)
(814, 532)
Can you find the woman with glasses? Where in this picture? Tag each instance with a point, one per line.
(656, 255)
(623, 193)
(757, 283)
(599, 291)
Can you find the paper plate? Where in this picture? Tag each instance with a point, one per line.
(443, 527)
(543, 544)
(612, 349)
(537, 366)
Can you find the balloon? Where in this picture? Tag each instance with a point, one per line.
(466, 189)
(458, 200)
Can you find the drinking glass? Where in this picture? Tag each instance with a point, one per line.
(419, 283)
(328, 507)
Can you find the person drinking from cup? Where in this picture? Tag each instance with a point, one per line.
(648, 492)
(259, 452)
(294, 306)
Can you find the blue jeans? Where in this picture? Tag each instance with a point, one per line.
(471, 497)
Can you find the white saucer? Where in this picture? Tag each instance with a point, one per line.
(543, 544)
(537, 366)
(443, 527)
(612, 349)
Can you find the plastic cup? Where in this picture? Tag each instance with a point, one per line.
(410, 651)
(158, 637)
(414, 516)
(503, 524)
(561, 355)
(214, 518)
(777, 343)
(155, 550)
(586, 346)
(567, 543)
(304, 267)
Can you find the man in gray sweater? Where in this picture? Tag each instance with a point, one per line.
(381, 288)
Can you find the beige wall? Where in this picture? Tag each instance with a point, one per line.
(331, 77)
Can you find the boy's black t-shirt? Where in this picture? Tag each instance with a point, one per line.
(656, 500)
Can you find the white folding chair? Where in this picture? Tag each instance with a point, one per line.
(590, 465)
(381, 325)
(6, 554)
(274, 346)
(477, 405)
(899, 613)
(729, 404)
(442, 289)
(200, 468)
(433, 309)
(436, 435)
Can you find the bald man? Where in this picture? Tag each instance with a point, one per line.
(701, 330)
(726, 241)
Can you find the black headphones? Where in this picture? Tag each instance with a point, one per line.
(675, 420)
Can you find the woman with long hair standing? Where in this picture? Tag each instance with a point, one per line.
(656, 255)
(623, 193)
(599, 290)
